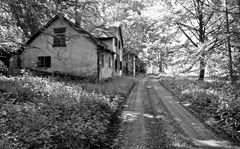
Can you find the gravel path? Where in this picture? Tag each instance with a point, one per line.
(147, 125)
(153, 119)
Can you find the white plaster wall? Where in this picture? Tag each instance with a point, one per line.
(120, 51)
(113, 46)
(79, 57)
(109, 43)
(107, 71)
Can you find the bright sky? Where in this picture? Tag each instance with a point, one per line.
(154, 11)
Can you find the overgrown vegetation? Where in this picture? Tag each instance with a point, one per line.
(216, 103)
(3, 68)
(42, 113)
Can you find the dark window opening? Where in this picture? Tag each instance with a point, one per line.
(120, 65)
(119, 44)
(126, 68)
(19, 62)
(59, 30)
(116, 64)
(44, 61)
(101, 60)
(59, 38)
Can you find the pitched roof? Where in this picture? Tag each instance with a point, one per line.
(108, 32)
(105, 38)
(74, 26)
(104, 32)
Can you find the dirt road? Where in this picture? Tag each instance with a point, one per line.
(153, 119)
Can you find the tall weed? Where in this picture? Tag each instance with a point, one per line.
(42, 113)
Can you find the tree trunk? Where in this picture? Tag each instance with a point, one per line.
(229, 45)
(201, 39)
(202, 69)
(160, 63)
(98, 62)
(239, 8)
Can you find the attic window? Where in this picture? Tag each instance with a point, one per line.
(44, 61)
(59, 38)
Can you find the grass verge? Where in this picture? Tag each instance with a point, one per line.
(214, 103)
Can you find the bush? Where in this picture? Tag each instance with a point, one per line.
(217, 100)
(41, 113)
(119, 86)
(3, 68)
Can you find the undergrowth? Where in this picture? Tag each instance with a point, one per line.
(43, 113)
(216, 103)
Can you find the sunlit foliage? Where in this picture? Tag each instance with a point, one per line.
(216, 103)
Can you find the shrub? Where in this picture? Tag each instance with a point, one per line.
(41, 113)
(114, 86)
(3, 68)
(218, 100)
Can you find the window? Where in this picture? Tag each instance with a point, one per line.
(59, 39)
(101, 58)
(44, 61)
(116, 64)
(126, 68)
(119, 43)
(19, 62)
(120, 65)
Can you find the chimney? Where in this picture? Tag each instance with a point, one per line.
(58, 7)
(77, 14)
(77, 19)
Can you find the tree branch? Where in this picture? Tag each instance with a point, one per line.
(187, 35)
(191, 29)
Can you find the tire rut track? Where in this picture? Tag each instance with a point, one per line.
(157, 137)
(147, 124)
(134, 126)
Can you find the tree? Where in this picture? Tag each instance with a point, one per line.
(28, 15)
(201, 25)
(229, 43)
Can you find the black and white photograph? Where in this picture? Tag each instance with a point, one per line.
(119, 74)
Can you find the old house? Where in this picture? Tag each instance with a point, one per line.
(5, 56)
(4, 61)
(112, 37)
(61, 46)
(129, 62)
(7, 50)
